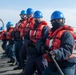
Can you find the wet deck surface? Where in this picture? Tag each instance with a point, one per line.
(5, 68)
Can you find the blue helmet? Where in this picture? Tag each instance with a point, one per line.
(57, 15)
(23, 12)
(9, 24)
(30, 11)
(38, 14)
(1, 28)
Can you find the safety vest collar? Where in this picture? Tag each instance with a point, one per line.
(36, 34)
(64, 27)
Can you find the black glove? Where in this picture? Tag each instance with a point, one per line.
(5, 34)
(44, 48)
(29, 44)
(51, 54)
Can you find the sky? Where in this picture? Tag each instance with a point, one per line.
(10, 9)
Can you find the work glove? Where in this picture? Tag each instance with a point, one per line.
(44, 48)
(5, 34)
(29, 44)
(51, 53)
